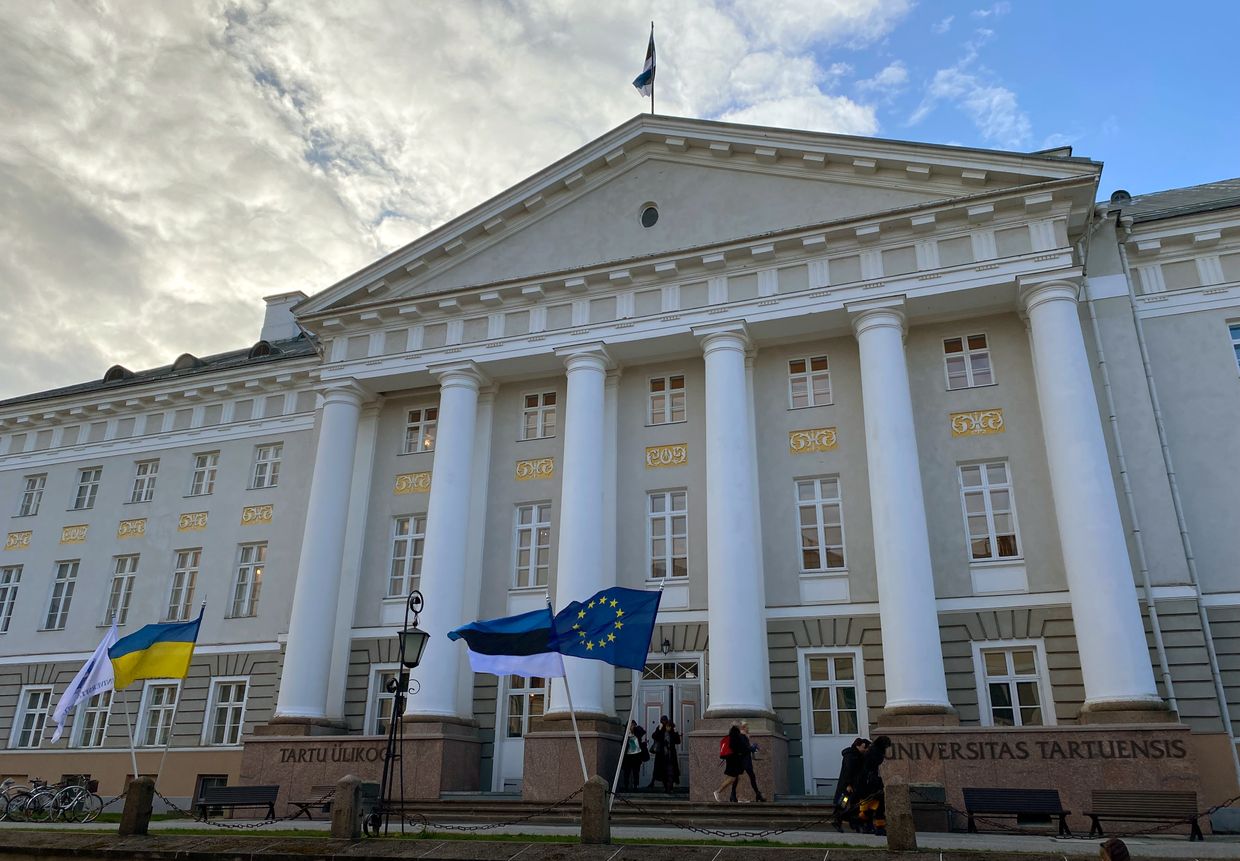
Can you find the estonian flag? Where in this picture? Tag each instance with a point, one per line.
(513, 646)
(155, 652)
(645, 81)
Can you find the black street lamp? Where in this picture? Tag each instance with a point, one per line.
(411, 644)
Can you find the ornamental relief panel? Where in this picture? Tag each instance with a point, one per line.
(256, 515)
(131, 528)
(195, 521)
(811, 440)
(73, 534)
(537, 468)
(18, 540)
(977, 422)
(659, 456)
(412, 482)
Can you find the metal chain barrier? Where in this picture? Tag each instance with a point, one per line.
(239, 826)
(427, 826)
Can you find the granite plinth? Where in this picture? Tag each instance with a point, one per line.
(289, 727)
(770, 762)
(552, 766)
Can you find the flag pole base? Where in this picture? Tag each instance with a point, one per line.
(552, 767)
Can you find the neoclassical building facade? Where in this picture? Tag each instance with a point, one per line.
(908, 435)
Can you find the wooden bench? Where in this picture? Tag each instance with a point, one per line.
(316, 801)
(1142, 806)
(1015, 802)
(233, 797)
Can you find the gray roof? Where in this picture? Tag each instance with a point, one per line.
(1222, 194)
(291, 348)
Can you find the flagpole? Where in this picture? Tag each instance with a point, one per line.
(133, 752)
(172, 725)
(652, 77)
(624, 743)
(572, 713)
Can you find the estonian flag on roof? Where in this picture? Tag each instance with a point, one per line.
(645, 81)
(520, 645)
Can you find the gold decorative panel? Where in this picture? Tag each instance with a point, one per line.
(256, 515)
(810, 440)
(659, 456)
(18, 540)
(977, 422)
(73, 534)
(539, 467)
(192, 522)
(131, 528)
(412, 482)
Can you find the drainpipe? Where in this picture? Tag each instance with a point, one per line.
(1138, 536)
(1220, 692)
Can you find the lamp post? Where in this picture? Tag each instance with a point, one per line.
(411, 643)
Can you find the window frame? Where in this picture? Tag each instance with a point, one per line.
(374, 697)
(209, 717)
(540, 411)
(533, 527)
(10, 581)
(967, 353)
(669, 535)
(208, 473)
(804, 655)
(985, 490)
(668, 409)
(422, 425)
(270, 466)
(65, 597)
(91, 488)
(527, 692)
(187, 601)
(412, 560)
(1046, 698)
(23, 708)
(32, 497)
(144, 482)
(79, 721)
(820, 524)
(121, 605)
(144, 711)
(808, 375)
(1233, 331)
(254, 583)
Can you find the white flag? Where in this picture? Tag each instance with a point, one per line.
(95, 677)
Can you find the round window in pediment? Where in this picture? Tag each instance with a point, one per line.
(650, 215)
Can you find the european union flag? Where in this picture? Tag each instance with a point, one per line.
(613, 626)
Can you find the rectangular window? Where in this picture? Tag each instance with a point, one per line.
(1013, 686)
(821, 524)
(1234, 329)
(833, 694)
(379, 708)
(538, 416)
(267, 465)
(184, 578)
(420, 425)
(32, 495)
(91, 723)
(668, 532)
(62, 595)
(527, 698)
(32, 708)
(205, 466)
(532, 545)
(10, 578)
(87, 487)
(408, 539)
(123, 574)
(226, 712)
(251, 560)
(158, 707)
(809, 382)
(145, 473)
(989, 513)
(967, 362)
(666, 400)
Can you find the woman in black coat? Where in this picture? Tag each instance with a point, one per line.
(664, 742)
(871, 789)
(846, 787)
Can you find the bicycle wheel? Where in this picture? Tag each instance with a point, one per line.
(92, 807)
(69, 804)
(40, 806)
(4, 807)
(17, 805)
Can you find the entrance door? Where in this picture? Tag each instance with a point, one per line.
(525, 698)
(673, 688)
(832, 713)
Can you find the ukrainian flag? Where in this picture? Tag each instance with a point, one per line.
(154, 652)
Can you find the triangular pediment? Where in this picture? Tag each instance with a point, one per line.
(711, 183)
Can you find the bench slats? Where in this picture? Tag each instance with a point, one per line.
(1143, 806)
(239, 796)
(1014, 802)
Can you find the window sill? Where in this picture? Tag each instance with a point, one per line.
(821, 575)
(526, 590)
(138, 502)
(665, 424)
(535, 438)
(420, 451)
(31, 514)
(812, 406)
(997, 563)
(264, 487)
(197, 495)
(85, 508)
(969, 388)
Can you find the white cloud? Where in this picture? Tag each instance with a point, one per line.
(994, 109)
(891, 78)
(995, 11)
(174, 162)
(944, 25)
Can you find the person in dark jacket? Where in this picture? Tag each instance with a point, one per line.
(733, 762)
(634, 755)
(747, 763)
(871, 791)
(664, 743)
(845, 799)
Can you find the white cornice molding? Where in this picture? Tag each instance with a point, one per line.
(1189, 300)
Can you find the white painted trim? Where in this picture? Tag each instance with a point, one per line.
(79, 712)
(1046, 692)
(1212, 297)
(807, 712)
(208, 718)
(214, 649)
(372, 697)
(20, 713)
(144, 703)
(1221, 599)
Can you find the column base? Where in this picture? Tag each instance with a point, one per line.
(441, 755)
(770, 762)
(552, 769)
(1126, 712)
(293, 727)
(916, 715)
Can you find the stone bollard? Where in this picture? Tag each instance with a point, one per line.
(347, 808)
(901, 832)
(595, 814)
(136, 815)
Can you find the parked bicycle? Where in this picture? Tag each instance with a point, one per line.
(71, 801)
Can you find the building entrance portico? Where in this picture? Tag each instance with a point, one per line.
(672, 687)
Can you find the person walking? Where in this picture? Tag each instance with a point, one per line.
(873, 812)
(846, 798)
(748, 748)
(731, 751)
(664, 744)
(635, 753)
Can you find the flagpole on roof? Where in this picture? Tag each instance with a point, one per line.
(652, 77)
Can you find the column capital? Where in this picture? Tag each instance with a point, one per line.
(1037, 292)
(464, 373)
(613, 377)
(887, 312)
(725, 335)
(346, 391)
(590, 355)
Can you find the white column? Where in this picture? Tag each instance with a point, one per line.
(1110, 635)
(447, 544)
(477, 533)
(739, 676)
(580, 572)
(611, 413)
(912, 653)
(308, 653)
